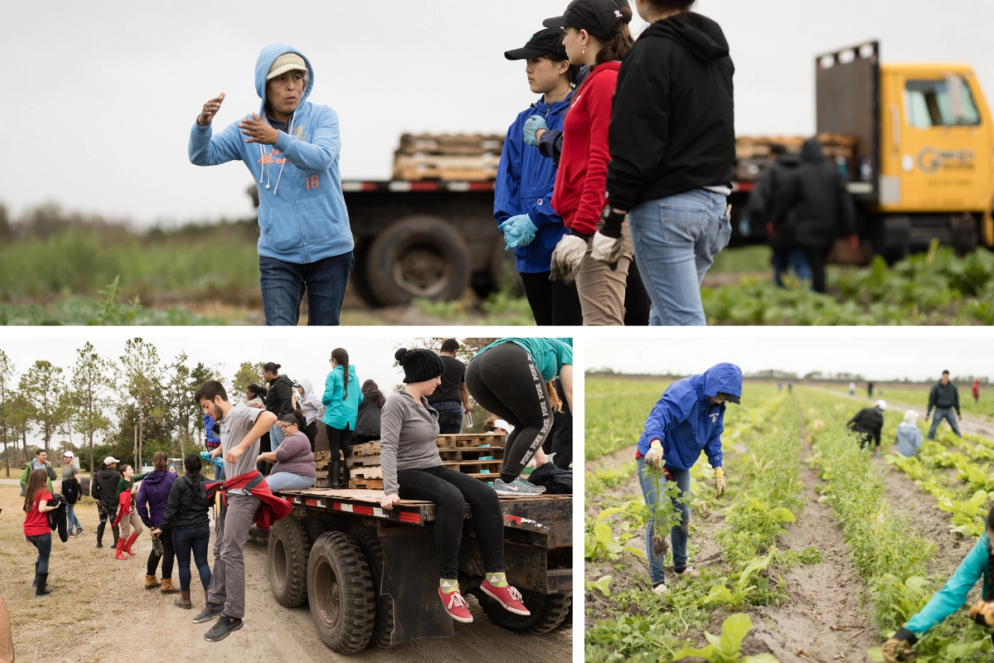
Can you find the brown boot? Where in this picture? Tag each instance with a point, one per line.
(151, 582)
(183, 601)
(168, 587)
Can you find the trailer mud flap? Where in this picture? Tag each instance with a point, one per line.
(527, 566)
(410, 578)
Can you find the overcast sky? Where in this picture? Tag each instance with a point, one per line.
(874, 358)
(101, 96)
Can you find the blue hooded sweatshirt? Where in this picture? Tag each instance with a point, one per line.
(342, 408)
(524, 185)
(302, 213)
(686, 421)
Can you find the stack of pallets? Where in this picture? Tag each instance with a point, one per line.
(321, 459)
(447, 157)
(753, 154)
(479, 456)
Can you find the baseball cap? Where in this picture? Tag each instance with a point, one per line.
(500, 423)
(731, 398)
(68, 454)
(543, 42)
(110, 460)
(881, 404)
(284, 63)
(598, 17)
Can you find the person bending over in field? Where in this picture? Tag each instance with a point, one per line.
(909, 436)
(689, 418)
(977, 566)
(291, 147)
(868, 423)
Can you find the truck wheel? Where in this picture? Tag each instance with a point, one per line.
(340, 587)
(289, 548)
(418, 256)
(383, 630)
(316, 527)
(964, 231)
(548, 612)
(892, 238)
(501, 273)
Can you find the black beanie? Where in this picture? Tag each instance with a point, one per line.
(419, 365)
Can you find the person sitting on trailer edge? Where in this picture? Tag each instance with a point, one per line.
(413, 470)
(294, 460)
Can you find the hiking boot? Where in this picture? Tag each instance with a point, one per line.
(224, 627)
(517, 487)
(210, 611)
(151, 582)
(661, 588)
(183, 601)
(688, 572)
(508, 597)
(168, 587)
(41, 589)
(456, 606)
(334, 478)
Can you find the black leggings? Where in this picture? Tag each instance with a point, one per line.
(450, 490)
(168, 556)
(504, 380)
(553, 303)
(339, 440)
(311, 431)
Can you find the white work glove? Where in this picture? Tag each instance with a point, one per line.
(607, 249)
(566, 259)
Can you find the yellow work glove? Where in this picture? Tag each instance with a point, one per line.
(719, 480)
(895, 650)
(982, 613)
(654, 458)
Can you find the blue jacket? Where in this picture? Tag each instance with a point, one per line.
(341, 409)
(213, 441)
(950, 598)
(524, 186)
(302, 215)
(686, 421)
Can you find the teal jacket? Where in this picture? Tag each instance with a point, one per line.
(341, 409)
(951, 597)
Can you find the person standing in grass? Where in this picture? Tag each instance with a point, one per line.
(976, 567)
(152, 498)
(868, 424)
(126, 514)
(976, 392)
(103, 488)
(944, 397)
(39, 462)
(688, 419)
(36, 529)
(71, 490)
(909, 436)
(292, 148)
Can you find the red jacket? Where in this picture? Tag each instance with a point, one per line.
(582, 178)
(123, 506)
(270, 510)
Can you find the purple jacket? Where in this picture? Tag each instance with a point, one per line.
(154, 491)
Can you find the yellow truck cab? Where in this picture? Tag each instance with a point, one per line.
(924, 162)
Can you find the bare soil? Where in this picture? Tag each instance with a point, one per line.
(100, 612)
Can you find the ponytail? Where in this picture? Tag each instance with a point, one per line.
(554, 400)
(618, 46)
(341, 356)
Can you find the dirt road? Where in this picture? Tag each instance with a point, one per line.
(100, 612)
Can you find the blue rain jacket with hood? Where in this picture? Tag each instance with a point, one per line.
(686, 421)
(302, 213)
(341, 408)
(524, 185)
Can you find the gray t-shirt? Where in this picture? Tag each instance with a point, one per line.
(234, 427)
(69, 472)
(408, 437)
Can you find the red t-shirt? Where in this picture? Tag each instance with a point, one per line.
(36, 522)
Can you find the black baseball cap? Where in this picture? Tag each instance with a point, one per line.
(731, 398)
(541, 43)
(598, 17)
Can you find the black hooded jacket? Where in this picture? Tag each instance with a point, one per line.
(673, 124)
(813, 208)
(868, 421)
(104, 487)
(279, 400)
(763, 195)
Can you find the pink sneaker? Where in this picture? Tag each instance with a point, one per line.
(508, 597)
(456, 606)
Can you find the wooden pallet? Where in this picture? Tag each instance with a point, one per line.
(451, 143)
(367, 472)
(470, 440)
(365, 484)
(362, 461)
(366, 449)
(474, 453)
(477, 467)
(446, 175)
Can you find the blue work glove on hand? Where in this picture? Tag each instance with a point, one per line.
(532, 125)
(518, 231)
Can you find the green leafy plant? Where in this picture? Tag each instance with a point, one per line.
(603, 585)
(604, 545)
(727, 648)
(736, 594)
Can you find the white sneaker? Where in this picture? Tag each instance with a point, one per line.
(661, 588)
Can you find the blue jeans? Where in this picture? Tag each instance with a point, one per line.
(793, 258)
(71, 518)
(196, 540)
(675, 241)
(679, 533)
(43, 542)
(949, 415)
(284, 285)
(449, 417)
(287, 481)
(276, 437)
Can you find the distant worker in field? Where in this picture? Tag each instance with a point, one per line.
(974, 568)
(909, 436)
(525, 179)
(305, 243)
(869, 390)
(672, 143)
(790, 387)
(868, 424)
(976, 392)
(852, 388)
(759, 211)
(451, 399)
(944, 397)
(688, 419)
(597, 36)
(813, 208)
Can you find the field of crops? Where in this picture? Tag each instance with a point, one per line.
(818, 552)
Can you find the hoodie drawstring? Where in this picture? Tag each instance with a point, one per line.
(289, 130)
(265, 166)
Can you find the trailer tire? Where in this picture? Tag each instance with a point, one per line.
(548, 612)
(417, 256)
(383, 629)
(964, 232)
(340, 587)
(289, 548)
(316, 527)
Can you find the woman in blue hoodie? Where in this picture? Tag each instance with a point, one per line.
(342, 395)
(525, 180)
(291, 148)
(689, 418)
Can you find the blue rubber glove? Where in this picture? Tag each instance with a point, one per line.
(518, 231)
(532, 125)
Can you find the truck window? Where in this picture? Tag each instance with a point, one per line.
(940, 103)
